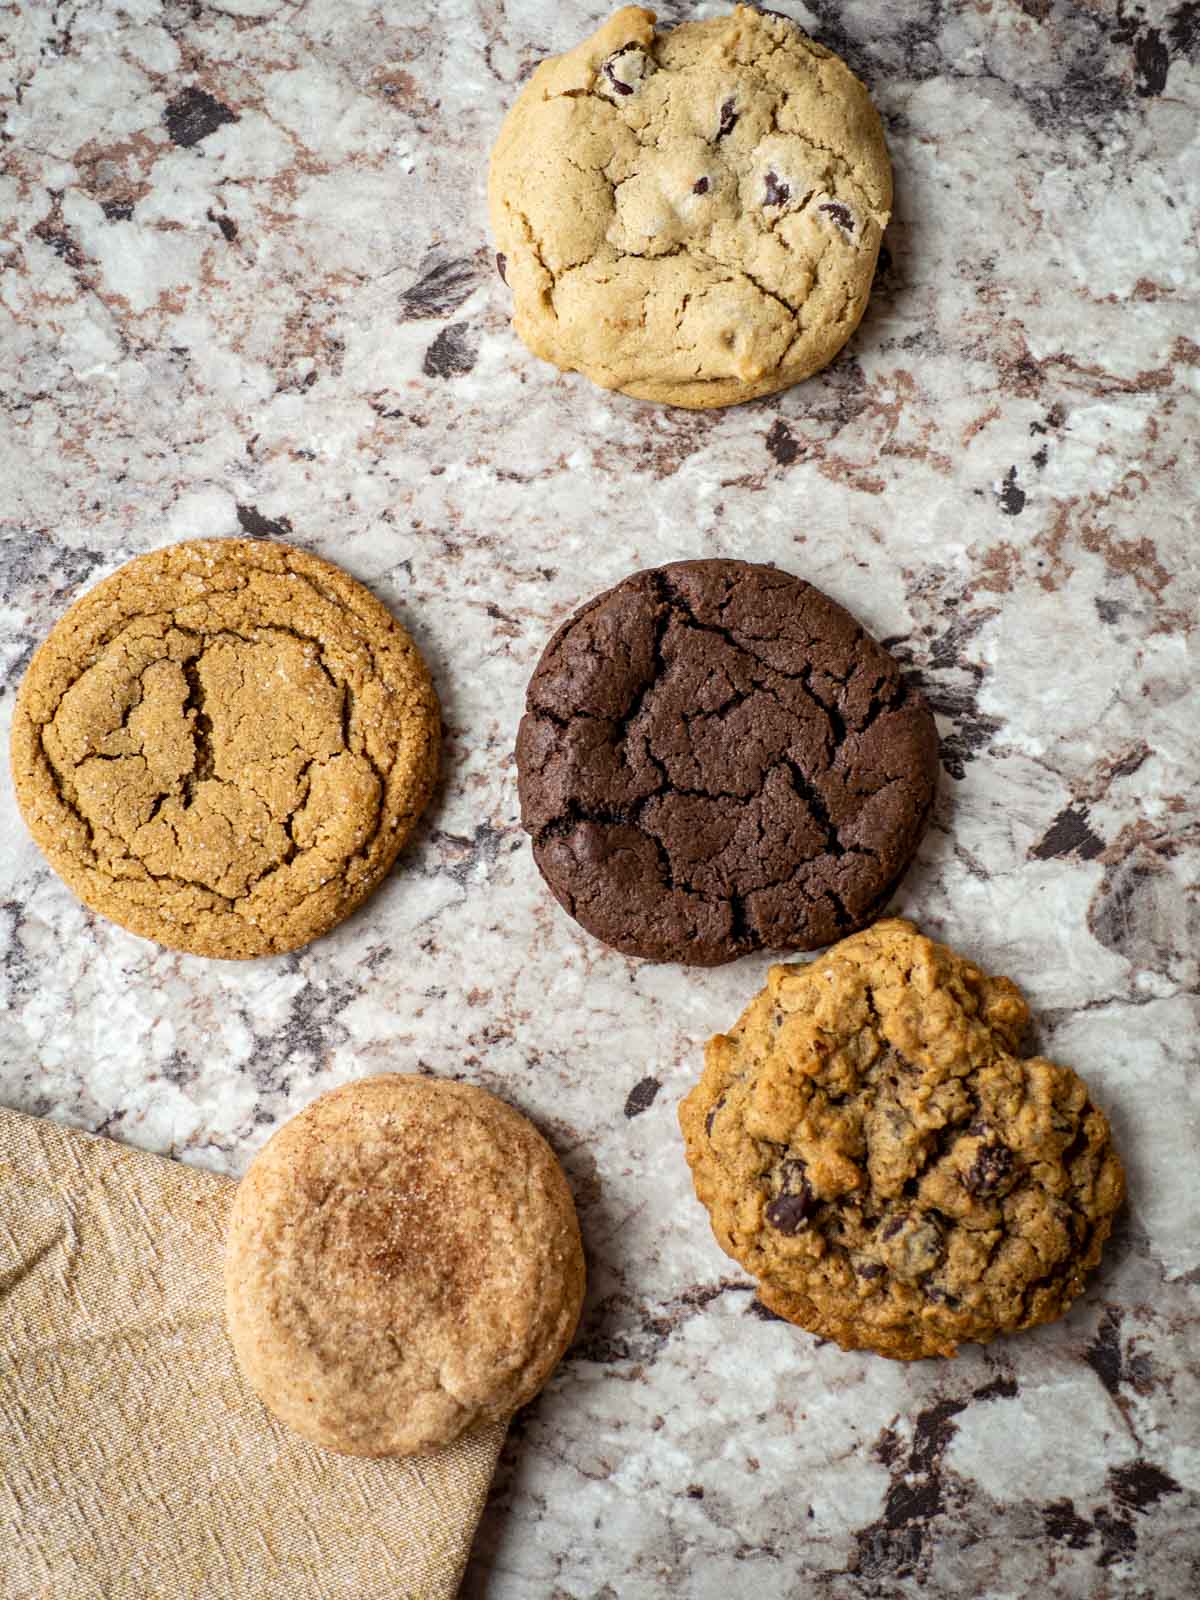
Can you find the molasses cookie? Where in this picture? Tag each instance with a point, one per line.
(403, 1264)
(715, 758)
(872, 1145)
(224, 745)
(691, 216)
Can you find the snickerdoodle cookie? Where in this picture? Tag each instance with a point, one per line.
(871, 1144)
(224, 745)
(403, 1263)
(691, 216)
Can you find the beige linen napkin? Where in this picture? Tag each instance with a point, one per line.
(134, 1463)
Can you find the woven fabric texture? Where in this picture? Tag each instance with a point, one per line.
(136, 1464)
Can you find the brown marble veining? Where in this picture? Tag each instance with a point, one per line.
(246, 286)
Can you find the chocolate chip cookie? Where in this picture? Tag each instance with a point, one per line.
(691, 216)
(403, 1263)
(715, 758)
(871, 1144)
(224, 745)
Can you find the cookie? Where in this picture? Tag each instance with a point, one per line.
(692, 216)
(403, 1264)
(871, 1144)
(715, 758)
(223, 746)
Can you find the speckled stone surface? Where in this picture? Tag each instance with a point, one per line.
(245, 285)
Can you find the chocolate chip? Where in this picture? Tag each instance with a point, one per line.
(870, 1269)
(700, 186)
(892, 1227)
(841, 214)
(777, 193)
(728, 117)
(618, 84)
(788, 1213)
(501, 264)
(793, 1205)
(711, 1117)
(991, 1166)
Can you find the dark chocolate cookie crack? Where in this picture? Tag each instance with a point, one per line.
(715, 758)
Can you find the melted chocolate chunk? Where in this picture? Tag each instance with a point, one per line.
(992, 1164)
(788, 1213)
(777, 194)
(790, 1209)
(700, 186)
(608, 68)
(728, 118)
(841, 214)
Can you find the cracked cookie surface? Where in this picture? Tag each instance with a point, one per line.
(403, 1264)
(692, 217)
(224, 745)
(716, 758)
(870, 1144)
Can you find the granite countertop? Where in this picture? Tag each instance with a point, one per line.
(246, 285)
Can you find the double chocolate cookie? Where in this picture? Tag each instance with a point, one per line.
(715, 758)
(872, 1145)
(224, 745)
(691, 216)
